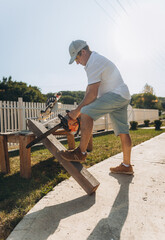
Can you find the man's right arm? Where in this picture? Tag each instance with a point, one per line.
(90, 95)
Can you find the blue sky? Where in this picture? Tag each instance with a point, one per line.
(35, 35)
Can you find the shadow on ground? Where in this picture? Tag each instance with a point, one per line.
(54, 214)
(110, 228)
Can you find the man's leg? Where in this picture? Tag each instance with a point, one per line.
(126, 166)
(79, 154)
(86, 131)
(126, 147)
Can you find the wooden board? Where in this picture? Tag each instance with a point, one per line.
(25, 155)
(4, 157)
(75, 169)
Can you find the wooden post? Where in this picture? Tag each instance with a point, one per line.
(25, 155)
(4, 157)
(78, 172)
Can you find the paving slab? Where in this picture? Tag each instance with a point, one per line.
(123, 207)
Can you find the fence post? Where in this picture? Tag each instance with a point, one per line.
(133, 114)
(21, 115)
(106, 122)
(1, 118)
(75, 105)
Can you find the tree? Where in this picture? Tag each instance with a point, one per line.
(144, 100)
(69, 97)
(162, 103)
(148, 89)
(147, 99)
(76, 95)
(11, 90)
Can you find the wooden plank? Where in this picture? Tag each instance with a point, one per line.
(25, 156)
(12, 137)
(4, 158)
(75, 169)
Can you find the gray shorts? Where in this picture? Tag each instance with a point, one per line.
(113, 104)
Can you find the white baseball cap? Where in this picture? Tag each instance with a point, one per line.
(74, 48)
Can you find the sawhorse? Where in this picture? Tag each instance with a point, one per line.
(75, 169)
(23, 138)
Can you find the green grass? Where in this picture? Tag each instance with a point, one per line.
(18, 195)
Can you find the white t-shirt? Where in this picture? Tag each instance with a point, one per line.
(101, 69)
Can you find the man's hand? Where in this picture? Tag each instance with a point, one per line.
(74, 114)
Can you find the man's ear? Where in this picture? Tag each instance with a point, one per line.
(83, 52)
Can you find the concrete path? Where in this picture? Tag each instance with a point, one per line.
(124, 207)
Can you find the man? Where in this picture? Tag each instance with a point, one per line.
(106, 93)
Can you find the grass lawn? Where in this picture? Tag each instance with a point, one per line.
(18, 195)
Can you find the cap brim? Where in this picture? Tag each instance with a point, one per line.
(72, 60)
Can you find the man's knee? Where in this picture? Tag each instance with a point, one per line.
(85, 116)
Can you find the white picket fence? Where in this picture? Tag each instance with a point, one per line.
(14, 115)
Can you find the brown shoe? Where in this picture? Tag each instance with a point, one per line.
(73, 155)
(122, 169)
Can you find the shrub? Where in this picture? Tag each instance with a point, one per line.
(134, 125)
(157, 124)
(146, 123)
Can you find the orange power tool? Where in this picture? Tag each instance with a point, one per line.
(67, 123)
